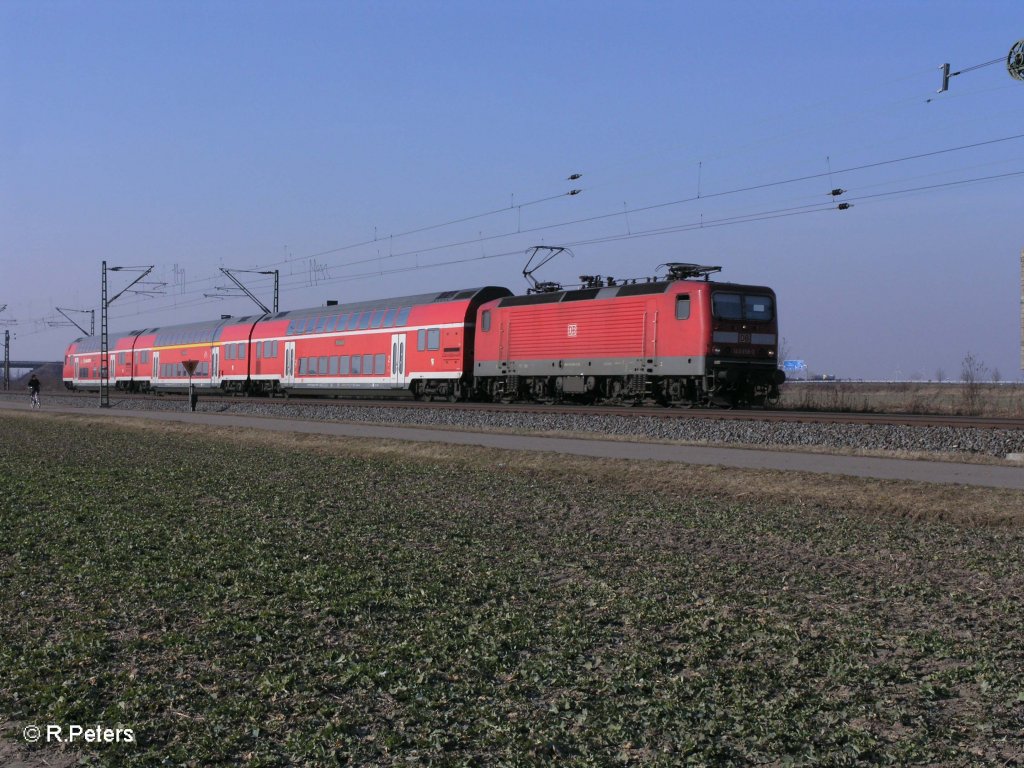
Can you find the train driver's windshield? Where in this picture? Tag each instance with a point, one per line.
(745, 306)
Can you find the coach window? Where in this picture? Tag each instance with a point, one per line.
(380, 363)
(403, 316)
(320, 323)
(241, 351)
(485, 320)
(273, 349)
(256, 350)
(343, 366)
(683, 306)
(356, 365)
(323, 366)
(302, 366)
(364, 320)
(433, 338)
(389, 318)
(377, 318)
(334, 365)
(421, 339)
(367, 365)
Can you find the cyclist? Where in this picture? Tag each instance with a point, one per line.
(33, 387)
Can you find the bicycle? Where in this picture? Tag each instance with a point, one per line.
(35, 400)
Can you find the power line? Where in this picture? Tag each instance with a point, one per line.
(588, 219)
(598, 217)
(689, 226)
(946, 74)
(711, 223)
(979, 66)
(437, 226)
(656, 206)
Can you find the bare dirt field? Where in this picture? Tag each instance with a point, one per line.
(974, 399)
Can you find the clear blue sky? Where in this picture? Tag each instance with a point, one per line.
(206, 134)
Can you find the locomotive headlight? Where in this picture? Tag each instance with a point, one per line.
(771, 353)
(716, 350)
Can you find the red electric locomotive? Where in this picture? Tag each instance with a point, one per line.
(677, 340)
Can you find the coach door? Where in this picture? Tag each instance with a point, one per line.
(215, 366)
(289, 362)
(651, 330)
(398, 373)
(156, 366)
(649, 338)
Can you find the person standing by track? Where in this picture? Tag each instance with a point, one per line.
(33, 387)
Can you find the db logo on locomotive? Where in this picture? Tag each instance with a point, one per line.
(571, 329)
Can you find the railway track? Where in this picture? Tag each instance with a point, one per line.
(769, 415)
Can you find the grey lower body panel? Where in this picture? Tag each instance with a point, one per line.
(606, 366)
(382, 388)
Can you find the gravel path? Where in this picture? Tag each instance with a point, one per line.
(873, 437)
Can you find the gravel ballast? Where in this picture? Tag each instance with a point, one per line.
(996, 443)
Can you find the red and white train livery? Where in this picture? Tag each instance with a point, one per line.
(681, 339)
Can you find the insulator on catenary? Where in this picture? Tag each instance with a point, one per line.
(575, 176)
(837, 192)
(844, 206)
(575, 191)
